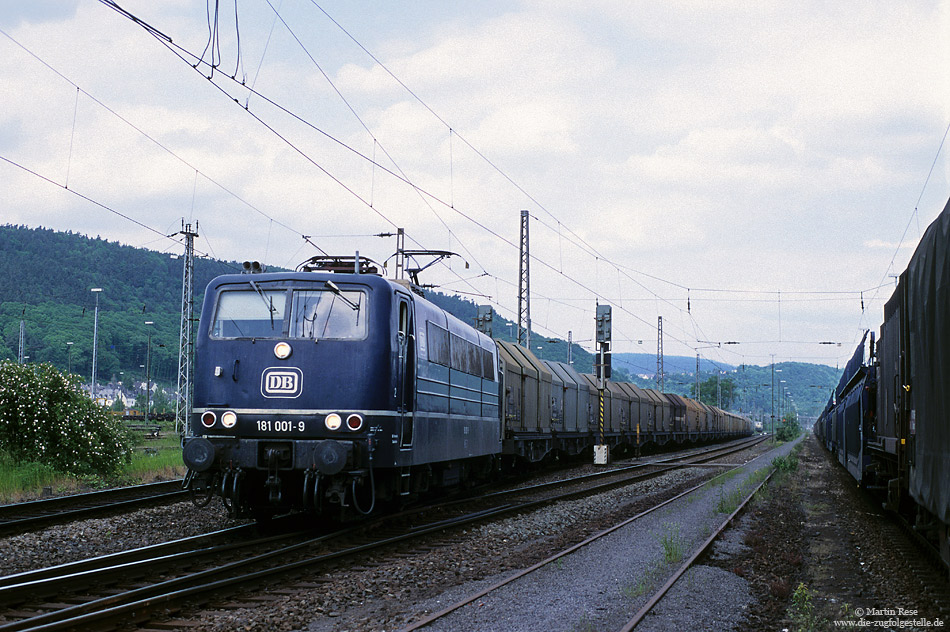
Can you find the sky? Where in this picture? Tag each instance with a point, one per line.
(753, 172)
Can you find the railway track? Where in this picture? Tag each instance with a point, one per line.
(606, 480)
(103, 593)
(705, 546)
(27, 516)
(555, 558)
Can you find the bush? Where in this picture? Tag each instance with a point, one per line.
(46, 418)
(788, 430)
(785, 464)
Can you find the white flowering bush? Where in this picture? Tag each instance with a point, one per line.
(46, 418)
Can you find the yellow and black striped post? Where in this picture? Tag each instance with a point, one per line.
(601, 451)
(601, 454)
(600, 419)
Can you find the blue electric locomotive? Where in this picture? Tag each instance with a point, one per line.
(334, 385)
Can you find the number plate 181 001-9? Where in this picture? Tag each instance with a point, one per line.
(267, 425)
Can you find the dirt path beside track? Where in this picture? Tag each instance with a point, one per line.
(818, 550)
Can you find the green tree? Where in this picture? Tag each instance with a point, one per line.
(710, 390)
(159, 402)
(162, 402)
(788, 428)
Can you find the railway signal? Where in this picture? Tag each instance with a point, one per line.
(601, 451)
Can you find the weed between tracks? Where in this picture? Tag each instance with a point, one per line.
(802, 612)
(14, 478)
(673, 544)
(642, 585)
(584, 625)
(721, 479)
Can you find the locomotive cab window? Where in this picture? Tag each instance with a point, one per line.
(249, 314)
(403, 318)
(328, 314)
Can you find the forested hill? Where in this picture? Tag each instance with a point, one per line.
(57, 267)
(47, 286)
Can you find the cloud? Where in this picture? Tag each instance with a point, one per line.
(733, 144)
(887, 245)
(16, 12)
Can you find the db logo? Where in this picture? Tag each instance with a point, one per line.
(282, 382)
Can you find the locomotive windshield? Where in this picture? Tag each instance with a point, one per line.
(250, 314)
(332, 314)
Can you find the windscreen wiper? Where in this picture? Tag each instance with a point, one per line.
(268, 302)
(330, 285)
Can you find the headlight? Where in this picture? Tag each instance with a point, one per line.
(354, 422)
(229, 419)
(282, 350)
(208, 418)
(333, 421)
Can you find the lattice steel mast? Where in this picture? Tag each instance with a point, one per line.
(524, 287)
(186, 341)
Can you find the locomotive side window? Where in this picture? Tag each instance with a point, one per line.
(249, 314)
(457, 353)
(404, 318)
(322, 314)
(438, 344)
(466, 356)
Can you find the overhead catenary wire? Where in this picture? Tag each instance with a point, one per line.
(179, 51)
(87, 198)
(915, 214)
(576, 239)
(271, 219)
(470, 254)
(138, 129)
(451, 203)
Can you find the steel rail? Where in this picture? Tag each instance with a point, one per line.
(101, 570)
(121, 557)
(130, 605)
(527, 571)
(521, 573)
(668, 462)
(630, 625)
(19, 517)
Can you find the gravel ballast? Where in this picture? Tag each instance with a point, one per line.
(601, 586)
(99, 536)
(816, 529)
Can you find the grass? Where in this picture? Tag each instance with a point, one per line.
(157, 456)
(801, 612)
(730, 501)
(633, 591)
(643, 584)
(28, 476)
(152, 458)
(785, 466)
(787, 463)
(672, 544)
(721, 478)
